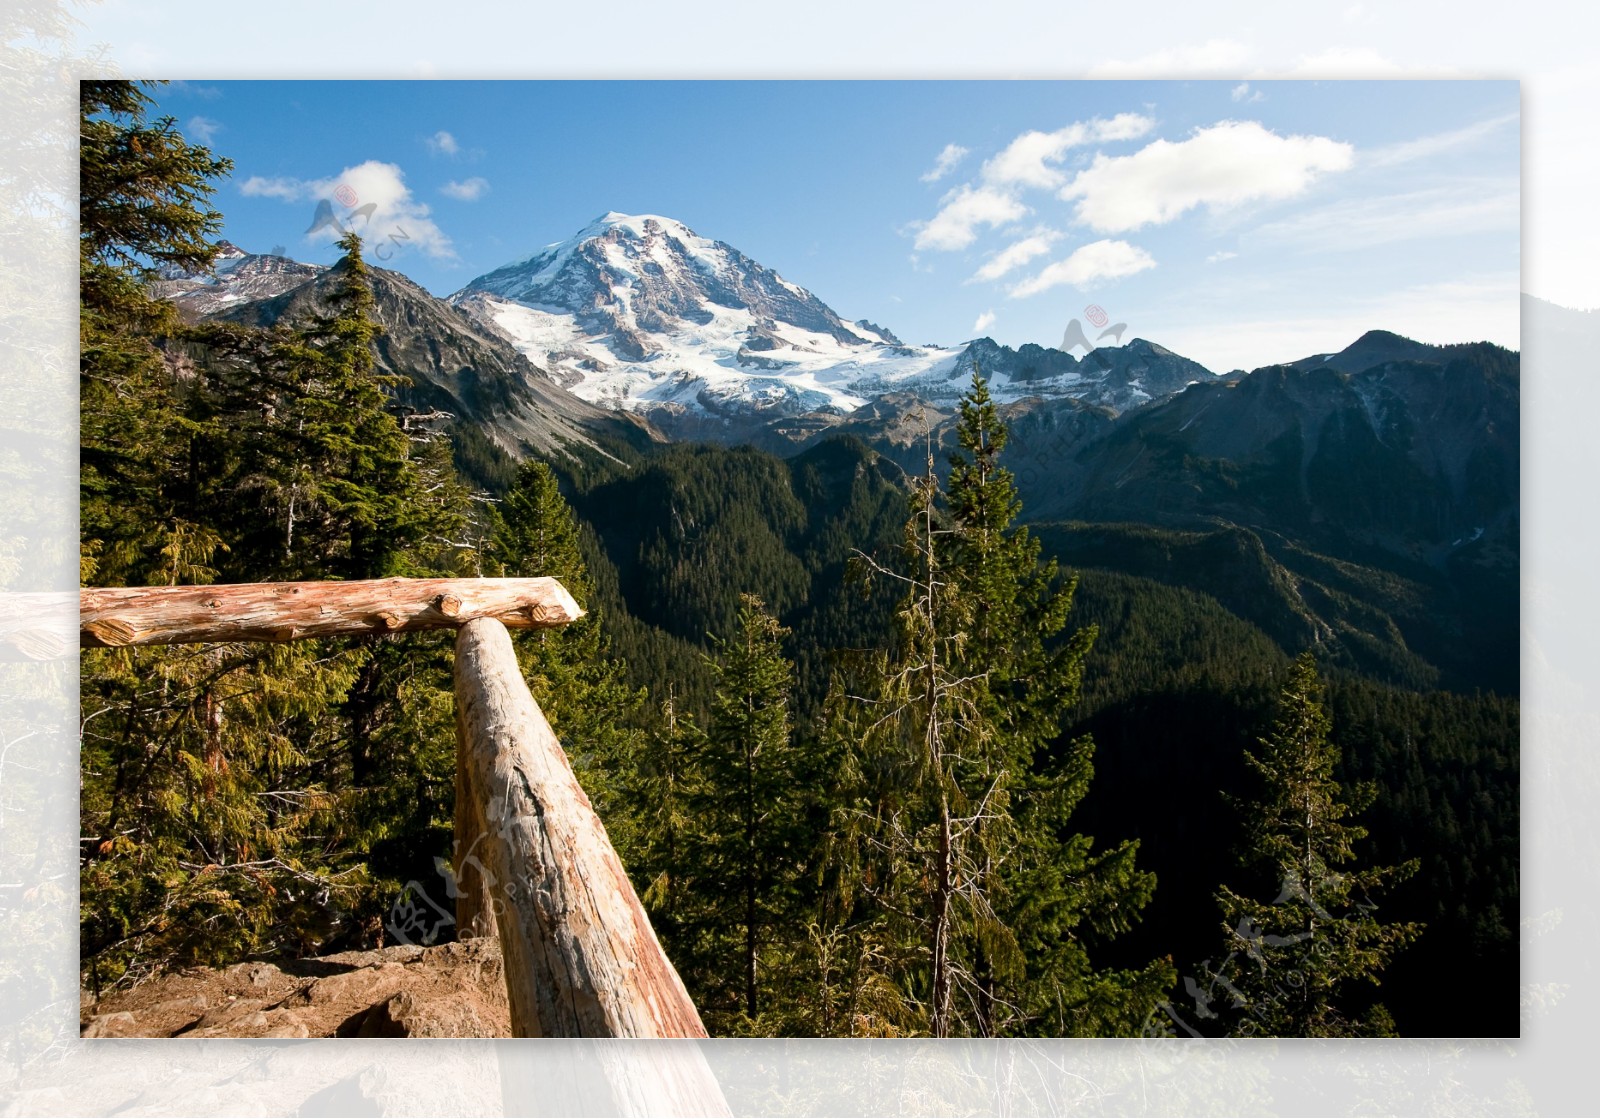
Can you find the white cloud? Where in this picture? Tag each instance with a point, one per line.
(964, 209)
(1098, 260)
(396, 220)
(468, 190)
(1361, 223)
(203, 129)
(442, 143)
(1027, 161)
(1425, 147)
(985, 321)
(1221, 58)
(205, 92)
(1015, 255)
(259, 186)
(1220, 256)
(1243, 92)
(1228, 164)
(952, 155)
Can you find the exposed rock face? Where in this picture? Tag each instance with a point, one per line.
(449, 990)
(639, 312)
(1116, 377)
(237, 277)
(453, 363)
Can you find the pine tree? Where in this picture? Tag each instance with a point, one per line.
(748, 819)
(350, 505)
(143, 204)
(658, 798)
(970, 800)
(1294, 962)
(1046, 887)
(569, 670)
(922, 749)
(242, 798)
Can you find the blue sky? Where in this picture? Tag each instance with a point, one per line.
(1237, 223)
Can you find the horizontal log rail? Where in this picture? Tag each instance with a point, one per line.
(534, 865)
(121, 616)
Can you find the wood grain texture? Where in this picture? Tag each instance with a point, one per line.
(581, 959)
(119, 616)
(474, 905)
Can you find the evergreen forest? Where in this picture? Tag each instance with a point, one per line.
(883, 753)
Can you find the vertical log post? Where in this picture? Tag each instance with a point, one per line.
(475, 914)
(581, 959)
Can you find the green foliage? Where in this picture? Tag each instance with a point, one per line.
(857, 808)
(972, 877)
(241, 799)
(580, 688)
(142, 204)
(1292, 960)
(749, 831)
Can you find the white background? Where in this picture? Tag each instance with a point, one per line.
(1550, 47)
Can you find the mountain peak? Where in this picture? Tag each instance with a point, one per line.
(639, 311)
(634, 223)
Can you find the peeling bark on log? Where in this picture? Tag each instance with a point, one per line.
(474, 905)
(118, 616)
(581, 959)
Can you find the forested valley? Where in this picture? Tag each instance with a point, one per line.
(882, 755)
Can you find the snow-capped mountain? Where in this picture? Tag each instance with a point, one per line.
(640, 312)
(238, 277)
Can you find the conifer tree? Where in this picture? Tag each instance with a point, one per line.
(1046, 887)
(922, 754)
(241, 798)
(569, 670)
(970, 798)
(658, 796)
(748, 820)
(1295, 961)
(144, 204)
(350, 506)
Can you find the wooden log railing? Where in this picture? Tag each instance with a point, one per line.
(571, 926)
(534, 864)
(118, 616)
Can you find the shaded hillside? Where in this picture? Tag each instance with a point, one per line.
(1178, 687)
(501, 406)
(1415, 458)
(1392, 619)
(676, 542)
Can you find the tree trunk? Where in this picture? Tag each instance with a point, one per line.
(581, 959)
(941, 925)
(118, 616)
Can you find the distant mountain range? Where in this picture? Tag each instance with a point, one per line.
(453, 367)
(1390, 454)
(640, 312)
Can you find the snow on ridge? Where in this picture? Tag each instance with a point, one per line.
(725, 333)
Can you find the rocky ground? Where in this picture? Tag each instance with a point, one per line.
(449, 990)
